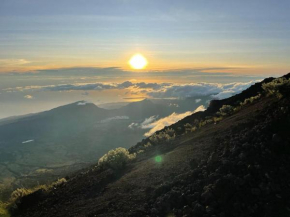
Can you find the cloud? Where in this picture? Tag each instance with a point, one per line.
(173, 105)
(213, 74)
(144, 123)
(84, 103)
(28, 141)
(148, 121)
(13, 62)
(28, 97)
(134, 125)
(197, 100)
(152, 90)
(233, 89)
(114, 118)
(216, 90)
(167, 121)
(187, 90)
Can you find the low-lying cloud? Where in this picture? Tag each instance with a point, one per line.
(151, 90)
(28, 97)
(144, 124)
(154, 125)
(217, 90)
(114, 118)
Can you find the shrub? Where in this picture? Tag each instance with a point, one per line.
(250, 100)
(166, 135)
(226, 110)
(147, 145)
(140, 151)
(217, 119)
(3, 210)
(116, 159)
(19, 193)
(277, 87)
(187, 127)
(57, 183)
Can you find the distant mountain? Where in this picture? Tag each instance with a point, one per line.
(62, 120)
(68, 138)
(144, 109)
(113, 105)
(231, 160)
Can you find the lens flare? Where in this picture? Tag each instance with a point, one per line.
(158, 159)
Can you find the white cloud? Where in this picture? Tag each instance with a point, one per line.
(83, 103)
(187, 90)
(114, 118)
(233, 89)
(169, 120)
(13, 62)
(197, 100)
(144, 123)
(134, 125)
(28, 97)
(154, 90)
(149, 120)
(28, 141)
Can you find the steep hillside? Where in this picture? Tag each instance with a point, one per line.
(234, 161)
(41, 147)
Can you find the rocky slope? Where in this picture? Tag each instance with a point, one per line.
(236, 167)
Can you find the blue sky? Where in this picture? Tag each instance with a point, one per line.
(251, 35)
(71, 42)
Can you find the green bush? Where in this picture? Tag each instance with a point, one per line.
(116, 159)
(147, 145)
(166, 135)
(277, 87)
(22, 192)
(226, 110)
(250, 100)
(187, 127)
(3, 210)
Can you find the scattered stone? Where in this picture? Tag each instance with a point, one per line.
(256, 191)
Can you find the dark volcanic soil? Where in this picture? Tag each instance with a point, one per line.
(239, 167)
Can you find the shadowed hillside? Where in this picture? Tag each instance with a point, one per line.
(39, 148)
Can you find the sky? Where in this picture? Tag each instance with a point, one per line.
(89, 42)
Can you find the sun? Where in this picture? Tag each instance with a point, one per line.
(138, 61)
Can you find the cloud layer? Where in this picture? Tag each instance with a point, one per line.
(152, 90)
(167, 121)
(154, 124)
(28, 97)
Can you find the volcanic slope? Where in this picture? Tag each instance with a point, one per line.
(234, 166)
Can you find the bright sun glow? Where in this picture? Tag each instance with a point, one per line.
(138, 62)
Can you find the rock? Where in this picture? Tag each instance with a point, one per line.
(248, 177)
(242, 156)
(193, 163)
(209, 210)
(207, 196)
(198, 209)
(213, 158)
(235, 150)
(256, 191)
(276, 138)
(154, 211)
(190, 198)
(186, 210)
